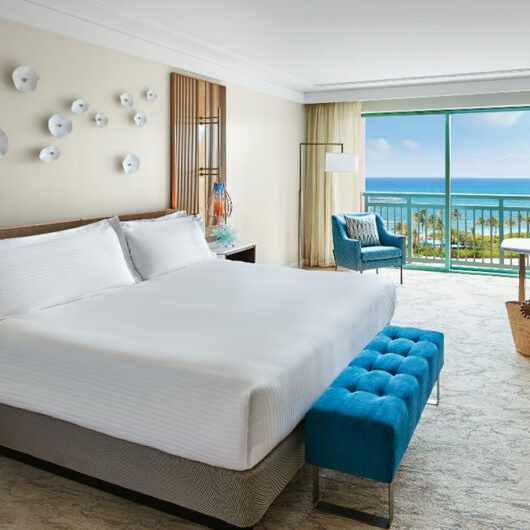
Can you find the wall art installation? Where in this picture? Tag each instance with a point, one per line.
(151, 95)
(101, 119)
(131, 164)
(127, 100)
(140, 119)
(60, 126)
(50, 154)
(25, 79)
(80, 106)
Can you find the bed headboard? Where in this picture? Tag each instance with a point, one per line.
(31, 230)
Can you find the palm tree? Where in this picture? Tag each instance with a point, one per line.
(438, 224)
(457, 215)
(493, 222)
(420, 218)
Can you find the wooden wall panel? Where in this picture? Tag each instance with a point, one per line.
(198, 110)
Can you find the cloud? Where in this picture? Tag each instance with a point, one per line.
(499, 119)
(411, 144)
(378, 148)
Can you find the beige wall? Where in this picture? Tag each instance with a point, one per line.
(87, 180)
(263, 134)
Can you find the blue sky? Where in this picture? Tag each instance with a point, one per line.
(492, 144)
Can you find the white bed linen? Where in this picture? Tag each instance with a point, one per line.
(216, 362)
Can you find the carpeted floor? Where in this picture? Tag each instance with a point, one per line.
(468, 464)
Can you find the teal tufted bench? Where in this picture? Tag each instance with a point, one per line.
(363, 423)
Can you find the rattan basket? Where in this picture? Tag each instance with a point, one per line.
(520, 327)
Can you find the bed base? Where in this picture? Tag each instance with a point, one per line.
(124, 493)
(212, 496)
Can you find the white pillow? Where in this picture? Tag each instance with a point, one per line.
(166, 246)
(174, 215)
(50, 269)
(116, 225)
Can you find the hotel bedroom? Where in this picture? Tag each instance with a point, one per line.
(262, 264)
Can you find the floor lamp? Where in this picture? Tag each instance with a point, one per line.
(336, 163)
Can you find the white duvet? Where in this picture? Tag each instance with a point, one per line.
(216, 362)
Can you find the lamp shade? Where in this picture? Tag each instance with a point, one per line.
(342, 162)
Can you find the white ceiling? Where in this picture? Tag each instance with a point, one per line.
(303, 49)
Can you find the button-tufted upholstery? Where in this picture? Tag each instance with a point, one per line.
(363, 422)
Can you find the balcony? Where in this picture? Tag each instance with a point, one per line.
(478, 223)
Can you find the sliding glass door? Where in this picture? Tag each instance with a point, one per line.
(406, 181)
(454, 182)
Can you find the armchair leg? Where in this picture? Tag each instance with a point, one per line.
(377, 271)
(361, 272)
(401, 274)
(335, 260)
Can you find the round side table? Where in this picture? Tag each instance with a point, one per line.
(522, 247)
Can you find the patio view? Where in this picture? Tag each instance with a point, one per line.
(454, 183)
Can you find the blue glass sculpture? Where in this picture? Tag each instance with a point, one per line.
(226, 235)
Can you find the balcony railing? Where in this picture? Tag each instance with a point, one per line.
(478, 223)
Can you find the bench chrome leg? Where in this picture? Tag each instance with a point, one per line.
(401, 275)
(335, 509)
(437, 400)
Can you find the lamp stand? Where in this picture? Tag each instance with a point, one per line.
(301, 197)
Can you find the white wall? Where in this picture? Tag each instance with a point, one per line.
(87, 180)
(263, 134)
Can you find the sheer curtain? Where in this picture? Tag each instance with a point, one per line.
(329, 193)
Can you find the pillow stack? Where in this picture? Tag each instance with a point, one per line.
(166, 244)
(50, 269)
(41, 271)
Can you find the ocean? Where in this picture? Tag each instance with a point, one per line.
(515, 216)
(496, 186)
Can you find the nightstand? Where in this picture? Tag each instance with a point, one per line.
(238, 252)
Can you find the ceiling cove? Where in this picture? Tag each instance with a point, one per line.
(301, 50)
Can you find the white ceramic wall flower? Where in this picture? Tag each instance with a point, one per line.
(101, 119)
(4, 143)
(25, 79)
(50, 154)
(127, 100)
(60, 126)
(151, 95)
(80, 106)
(131, 164)
(140, 119)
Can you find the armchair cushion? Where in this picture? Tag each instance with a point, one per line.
(363, 229)
(378, 252)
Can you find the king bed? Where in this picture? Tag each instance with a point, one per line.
(188, 388)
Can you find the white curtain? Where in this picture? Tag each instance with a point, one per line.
(328, 193)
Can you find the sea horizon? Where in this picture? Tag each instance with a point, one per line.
(479, 185)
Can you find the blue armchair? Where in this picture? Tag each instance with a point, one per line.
(349, 253)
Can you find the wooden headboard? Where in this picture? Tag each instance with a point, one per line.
(31, 230)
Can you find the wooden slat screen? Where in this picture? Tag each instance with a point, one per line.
(184, 140)
(197, 160)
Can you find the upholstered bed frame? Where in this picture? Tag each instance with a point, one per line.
(214, 496)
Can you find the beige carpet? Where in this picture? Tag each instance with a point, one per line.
(468, 464)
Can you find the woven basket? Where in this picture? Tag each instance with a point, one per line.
(520, 328)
